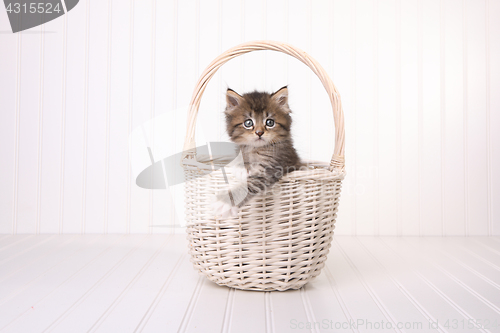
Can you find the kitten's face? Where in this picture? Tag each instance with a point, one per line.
(258, 119)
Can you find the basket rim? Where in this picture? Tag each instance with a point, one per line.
(315, 170)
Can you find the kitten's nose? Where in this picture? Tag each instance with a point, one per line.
(259, 133)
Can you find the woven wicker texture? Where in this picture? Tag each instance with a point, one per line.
(281, 238)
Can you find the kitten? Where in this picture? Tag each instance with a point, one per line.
(259, 123)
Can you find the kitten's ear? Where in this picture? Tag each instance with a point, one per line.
(233, 99)
(281, 97)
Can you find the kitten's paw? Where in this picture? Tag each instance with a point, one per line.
(222, 206)
(239, 173)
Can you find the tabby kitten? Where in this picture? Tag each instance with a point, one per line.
(259, 123)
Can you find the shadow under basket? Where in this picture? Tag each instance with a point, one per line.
(280, 239)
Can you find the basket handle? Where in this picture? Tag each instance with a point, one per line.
(337, 161)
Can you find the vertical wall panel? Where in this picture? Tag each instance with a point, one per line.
(430, 157)
(75, 122)
(320, 112)
(232, 34)
(50, 182)
(8, 124)
(163, 205)
(493, 72)
(453, 153)
(417, 80)
(387, 125)
(365, 170)
(254, 29)
(96, 117)
(300, 76)
(119, 119)
(276, 29)
(187, 45)
(209, 48)
(140, 199)
(29, 118)
(410, 13)
(477, 147)
(344, 37)
(230, 75)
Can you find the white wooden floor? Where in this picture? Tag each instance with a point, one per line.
(145, 283)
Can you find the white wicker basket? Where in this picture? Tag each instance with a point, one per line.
(280, 239)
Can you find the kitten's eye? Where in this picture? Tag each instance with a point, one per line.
(270, 123)
(248, 123)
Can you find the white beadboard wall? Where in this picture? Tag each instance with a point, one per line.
(419, 80)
